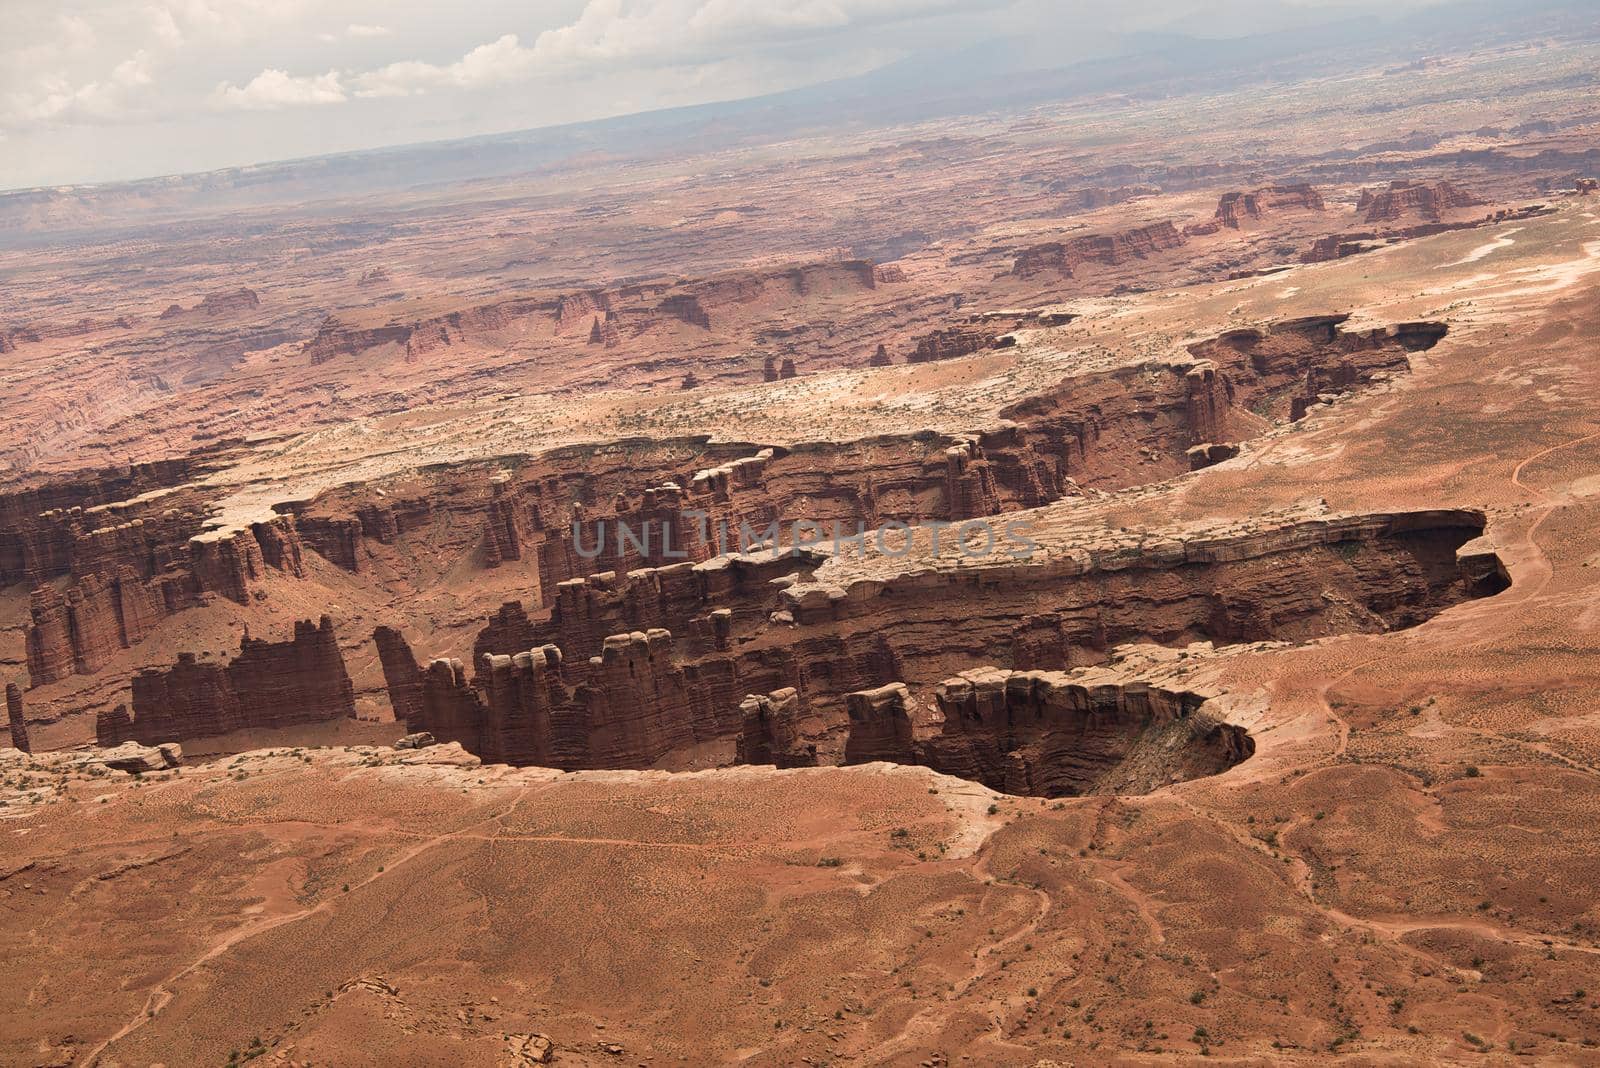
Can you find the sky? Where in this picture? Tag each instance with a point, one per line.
(101, 90)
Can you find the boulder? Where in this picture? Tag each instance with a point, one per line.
(136, 759)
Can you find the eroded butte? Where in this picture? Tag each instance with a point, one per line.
(420, 660)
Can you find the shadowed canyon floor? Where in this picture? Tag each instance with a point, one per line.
(1264, 729)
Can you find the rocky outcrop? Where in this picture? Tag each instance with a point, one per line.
(400, 673)
(774, 369)
(17, 721)
(113, 727)
(267, 685)
(598, 316)
(1210, 454)
(687, 308)
(842, 649)
(880, 358)
(133, 565)
(135, 759)
(1234, 209)
(633, 705)
(1048, 734)
(1093, 197)
(215, 304)
(1404, 199)
(880, 725)
(636, 550)
(191, 699)
(772, 731)
(80, 632)
(236, 300)
(336, 338)
(1282, 369)
(950, 344)
(1066, 258)
(1278, 580)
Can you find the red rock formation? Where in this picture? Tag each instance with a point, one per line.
(1587, 186)
(950, 344)
(636, 705)
(1065, 258)
(1429, 200)
(1291, 365)
(113, 728)
(1094, 197)
(522, 694)
(686, 307)
(880, 358)
(1211, 454)
(49, 638)
(267, 685)
(302, 680)
(1338, 246)
(889, 274)
(240, 299)
(132, 564)
(188, 700)
(646, 696)
(502, 537)
(451, 710)
(1045, 734)
(214, 304)
(401, 674)
(771, 731)
(971, 488)
(1234, 208)
(19, 724)
(336, 338)
(880, 726)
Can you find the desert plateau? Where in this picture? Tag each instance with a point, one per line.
(1001, 556)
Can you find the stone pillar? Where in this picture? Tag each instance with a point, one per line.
(19, 726)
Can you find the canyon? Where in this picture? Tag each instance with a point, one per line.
(1072, 580)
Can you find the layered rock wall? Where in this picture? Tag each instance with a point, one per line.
(1046, 734)
(132, 579)
(16, 720)
(1402, 199)
(268, 685)
(1066, 258)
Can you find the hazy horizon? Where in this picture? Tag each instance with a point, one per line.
(95, 92)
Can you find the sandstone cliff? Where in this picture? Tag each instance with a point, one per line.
(1427, 200)
(16, 719)
(1234, 209)
(1065, 258)
(1045, 733)
(267, 685)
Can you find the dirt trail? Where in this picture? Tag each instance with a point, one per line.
(161, 995)
(924, 1023)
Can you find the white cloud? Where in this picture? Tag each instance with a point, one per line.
(645, 34)
(499, 61)
(273, 89)
(108, 99)
(359, 29)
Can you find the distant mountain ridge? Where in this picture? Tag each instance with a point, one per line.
(993, 75)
